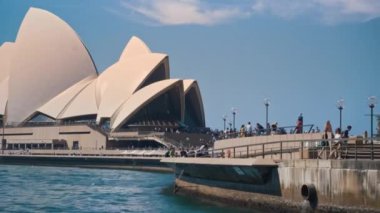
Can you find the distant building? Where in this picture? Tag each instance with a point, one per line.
(51, 92)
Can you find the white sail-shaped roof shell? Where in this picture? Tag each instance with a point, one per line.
(48, 58)
(6, 52)
(83, 104)
(134, 48)
(144, 97)
(61, 102)
(49, 71)
(121, 80)
(3, 95)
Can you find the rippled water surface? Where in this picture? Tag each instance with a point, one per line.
(66, 189)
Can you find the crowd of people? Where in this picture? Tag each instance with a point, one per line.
(337, 134)
(201, 151)
(247, 130)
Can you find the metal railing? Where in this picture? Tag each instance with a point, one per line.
(261, 132)
(353, 148)
(87, 152)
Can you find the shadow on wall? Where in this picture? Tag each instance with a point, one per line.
(259, 179)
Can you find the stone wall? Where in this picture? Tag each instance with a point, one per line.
(87, 138)
(338, 182)
(341, 185)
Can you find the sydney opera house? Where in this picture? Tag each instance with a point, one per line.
(52, 95)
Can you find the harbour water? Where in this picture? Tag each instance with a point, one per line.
(68, 189)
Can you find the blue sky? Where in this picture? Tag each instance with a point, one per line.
(303, 55)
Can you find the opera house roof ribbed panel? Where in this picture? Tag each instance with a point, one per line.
(146, 96)
(48, 75)
(48, 58)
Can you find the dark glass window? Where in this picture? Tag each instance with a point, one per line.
(41, 118)
(157, 75)
(81, 119)
(192, 113)
(163, 111)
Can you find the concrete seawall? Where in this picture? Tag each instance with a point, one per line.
(109, 162)
(338, 182)
(341, 185)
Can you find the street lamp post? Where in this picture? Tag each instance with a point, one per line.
(340, 106)
(266, 103)
(372, 101)
(224, 122)
(234, 111)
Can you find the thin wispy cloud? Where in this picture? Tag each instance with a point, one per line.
(182, 12)
(326, 11)
(197, 12)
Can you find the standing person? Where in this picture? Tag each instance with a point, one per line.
(325, 142)
(249, 129)
(259, 129)
(338, 133)
(346, 133)
(328, 133)
(274, 128)
(299, 125)
(242, 131)
(338, 143)
(328, 127)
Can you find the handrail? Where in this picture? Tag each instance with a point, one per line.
(88, 152)
(263, 132)
(278, 141)
(306, 125)
(335, 146)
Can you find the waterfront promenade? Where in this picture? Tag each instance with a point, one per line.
(290, 173)
(259, 172)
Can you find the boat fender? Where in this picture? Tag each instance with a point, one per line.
(309, 193)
